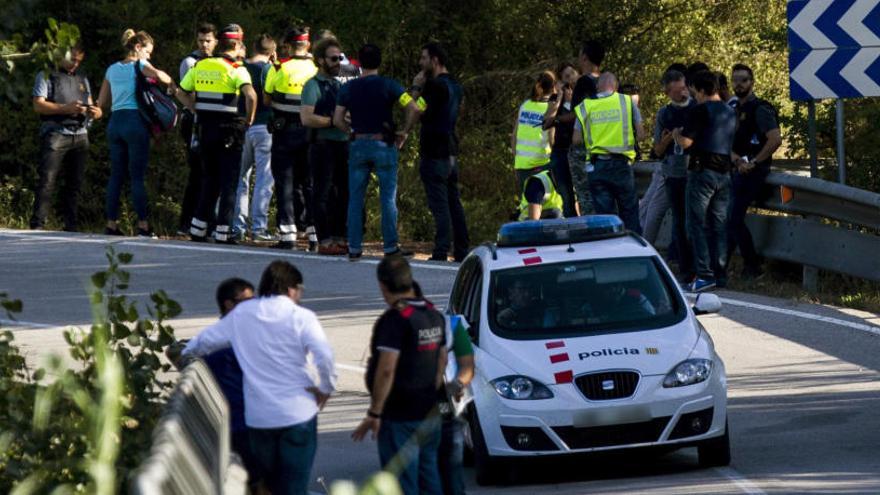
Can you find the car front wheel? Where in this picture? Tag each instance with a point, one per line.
(715, 452)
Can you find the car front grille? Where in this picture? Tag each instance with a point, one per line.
(613, 435)
(608, 385)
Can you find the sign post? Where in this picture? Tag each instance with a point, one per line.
(834, 52)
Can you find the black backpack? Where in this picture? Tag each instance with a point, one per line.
(156, 108)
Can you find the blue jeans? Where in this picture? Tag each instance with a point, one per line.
(708, 193)
(613, 190)
(129, 142)
(255, 157)
(451, 456)
(562, 173)
(417, 443)
(366, 155)
(283, 457)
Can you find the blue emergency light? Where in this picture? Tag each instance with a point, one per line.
(560, 231)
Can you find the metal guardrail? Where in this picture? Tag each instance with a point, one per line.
(814, 223)
(190, 452)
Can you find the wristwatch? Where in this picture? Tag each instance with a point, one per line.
(371, 414)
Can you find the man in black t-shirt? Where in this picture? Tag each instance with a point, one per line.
(708, 132)
(757, 137)
(590, 59)
(438, 148)
(407, 361)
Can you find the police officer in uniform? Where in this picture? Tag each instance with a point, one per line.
(206, 40)
(609, 126)
(63, 99)
(540, 199)
(218, 83)
(290, 167)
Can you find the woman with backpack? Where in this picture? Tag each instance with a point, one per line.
(127, 132)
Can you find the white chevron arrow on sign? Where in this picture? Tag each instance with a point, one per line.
(804, 25)
(854, 71)
(805, 74)
(851, 22)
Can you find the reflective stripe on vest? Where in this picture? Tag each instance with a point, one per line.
(288, 81)
(532, 141)
(607, 125)
(215, 90)
(551, 200)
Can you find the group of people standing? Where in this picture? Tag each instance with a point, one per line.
(575, 140)
(310, 125)
(259, 352)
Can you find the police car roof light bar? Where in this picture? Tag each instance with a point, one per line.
(560, 231)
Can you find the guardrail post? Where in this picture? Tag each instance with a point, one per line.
(810, 279)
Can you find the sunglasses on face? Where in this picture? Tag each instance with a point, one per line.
(334, 58)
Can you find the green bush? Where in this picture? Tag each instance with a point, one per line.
(83, 429)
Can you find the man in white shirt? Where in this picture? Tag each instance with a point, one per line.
(271, 337)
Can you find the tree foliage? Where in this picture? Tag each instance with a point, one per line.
(497, 48)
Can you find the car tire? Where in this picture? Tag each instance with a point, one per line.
(715, 452)
(487, 469)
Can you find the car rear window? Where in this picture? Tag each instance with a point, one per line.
(583, 298)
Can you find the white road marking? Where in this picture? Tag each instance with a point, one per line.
(802, 314)
(348, 367)
(740, 481)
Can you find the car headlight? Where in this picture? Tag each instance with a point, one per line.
(688, 372)
(517, 387)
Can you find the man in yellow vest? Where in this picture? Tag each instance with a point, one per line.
(608, 126)
(540, 199)
(218, 83)
(290, 166)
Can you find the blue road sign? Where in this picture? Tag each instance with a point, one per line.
(834, 48)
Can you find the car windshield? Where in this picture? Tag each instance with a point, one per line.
(583, 298)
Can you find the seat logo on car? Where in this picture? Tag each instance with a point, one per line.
(608, 385)
(607, 352)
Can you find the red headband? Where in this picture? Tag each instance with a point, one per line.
(301, 37)
(231, 35)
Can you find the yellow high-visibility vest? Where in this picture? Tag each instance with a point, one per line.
(607, 125)
(217, 83)
(532, 141)
(285, 83)
(552, 199)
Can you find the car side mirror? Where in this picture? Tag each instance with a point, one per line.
(706, 303)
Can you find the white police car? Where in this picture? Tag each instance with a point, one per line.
(584, 342)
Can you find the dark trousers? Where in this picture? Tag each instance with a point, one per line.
(744, 190)
(708, 193)
(613, 190)
(562, 174)
(60, 155)
(450, 457)
(293, 184)
(440, 177)
(328, 161)
(676, 188)
(283, 457)
(194, 179)
(129, 141)
(220, 149)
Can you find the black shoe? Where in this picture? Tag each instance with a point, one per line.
(198, 238)
(290, 245)
(147, 234)
(400, 252)
(435, 257)
(354, 256)
(109, 231)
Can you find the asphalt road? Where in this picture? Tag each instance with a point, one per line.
(804, 379)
